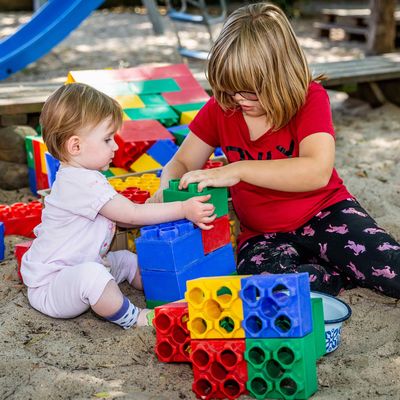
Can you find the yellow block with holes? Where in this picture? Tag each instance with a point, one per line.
(187, 117)
(215, 308)
(145, 163)
(118, 171)
(130, 101)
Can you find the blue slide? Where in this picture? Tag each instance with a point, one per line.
(48, 26)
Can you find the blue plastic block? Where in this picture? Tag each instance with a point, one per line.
(162, 151)
(276, 306)
(169, 247)
(218, 152)
(179, 129)
(52, 165)
(167, 286)
(2, 245)
(32, 180)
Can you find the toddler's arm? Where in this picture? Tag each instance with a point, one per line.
(122, 210)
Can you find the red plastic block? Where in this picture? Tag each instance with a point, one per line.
(136, 195)
(42, 181)
(218, 236)
(172, 335)
(187, 82)
(168, 71)
(19, 250)
(219, 368)
(185, 96)
(21, 218)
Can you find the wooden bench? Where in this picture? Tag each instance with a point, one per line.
(353, 21)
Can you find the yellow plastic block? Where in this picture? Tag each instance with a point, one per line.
(130, 101)
(145, 163)
(125, 116)
(118, 171)
(43, 149)
(187, 117)
(215, 308)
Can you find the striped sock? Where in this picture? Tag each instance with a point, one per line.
(126, 316)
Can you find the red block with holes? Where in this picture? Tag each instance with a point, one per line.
(218, 236)
(135, 137)
(213, 164)
(19, 250)
(219, 368)
(172, 335)
(136, 195)
(21, 218)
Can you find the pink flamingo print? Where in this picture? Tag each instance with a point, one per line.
(258, 259)
(269, 235)
(387, 246)
(312, 278)
(373, 231)
(326, 278)
(322, 251)
(287, 249)
(308, 231)
(386, 272)
(352, 210)
(342, 229)
(357, 273)
(322, 214)
(357, 248)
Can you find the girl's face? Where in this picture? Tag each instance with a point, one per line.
(97, 146)
(251, 108)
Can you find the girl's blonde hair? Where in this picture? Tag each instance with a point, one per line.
(72, 108)
(257, 51)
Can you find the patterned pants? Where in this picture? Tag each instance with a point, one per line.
(342, 247)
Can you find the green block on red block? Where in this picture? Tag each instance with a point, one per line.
(180, 108)
(219, 196)
(164, 114)
(154, 86)
(153, 100)
(281, 368)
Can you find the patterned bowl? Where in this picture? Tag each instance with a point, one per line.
(335, 313)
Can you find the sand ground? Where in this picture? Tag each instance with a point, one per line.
(87, 358)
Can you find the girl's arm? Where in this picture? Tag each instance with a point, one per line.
(191, 155)
(124, 211)
(310, 171)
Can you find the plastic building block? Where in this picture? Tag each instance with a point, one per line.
(29, 151)
(213, 164)
(219, 196)
(19, 250)
(118, 171)
(166, 286)
(187, 117)
(218, 236)
(164, 114)
(162, 151)
(113, 88)
(32, 180)
(145, 163)
(281, 368)
(186, 96)
(180, 108)
(2, 245)
(154, 86)
(172, 335)
(276, 305)
(52, 167)
(318, 327)
(38, 155)
(21, 218)
(180, 132)
(152, 100)
(219, 368)
(130, 101)
(169, 247)
(136, 195)
(215, 308)
(218, 152)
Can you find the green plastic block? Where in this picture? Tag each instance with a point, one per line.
(155, 303)
(180, 135)
(281, 368)
(153, 100)
(180, 108)
(29, 151)
(155, 86)
(107, 174)
(164, 114)
(219, 196)
(318, 327)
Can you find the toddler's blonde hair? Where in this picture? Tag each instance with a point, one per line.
(257, 51)
(71, 109)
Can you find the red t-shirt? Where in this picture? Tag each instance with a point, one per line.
(262, 210)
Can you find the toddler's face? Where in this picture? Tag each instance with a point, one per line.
(98, 146)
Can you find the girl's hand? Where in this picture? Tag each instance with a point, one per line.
(216, 177)
(200, 213)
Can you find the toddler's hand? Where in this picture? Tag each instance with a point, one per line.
(157, 197)
(200, 213)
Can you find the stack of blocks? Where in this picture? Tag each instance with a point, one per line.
(258, 334)
(169, 254)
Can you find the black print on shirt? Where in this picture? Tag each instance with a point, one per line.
(245, 155)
